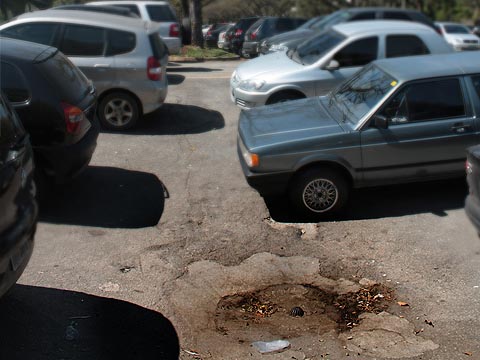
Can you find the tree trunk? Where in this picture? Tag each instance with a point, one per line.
(196, 22)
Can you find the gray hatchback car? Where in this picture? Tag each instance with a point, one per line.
(397, 120)
(125, 58)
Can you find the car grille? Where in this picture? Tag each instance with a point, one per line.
(241, 102)
(470, 41)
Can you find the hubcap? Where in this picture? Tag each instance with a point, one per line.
(320, 195)
(118, 112)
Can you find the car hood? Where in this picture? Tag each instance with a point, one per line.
(287, 122)
(288, 36)
(267, 66)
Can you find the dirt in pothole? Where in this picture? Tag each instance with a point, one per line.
(274, 310)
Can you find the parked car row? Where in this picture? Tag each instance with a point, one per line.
(51, 105)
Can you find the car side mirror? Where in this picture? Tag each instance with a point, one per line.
(380, 122)
(332, 65)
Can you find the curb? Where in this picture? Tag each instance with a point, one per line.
(184, 59)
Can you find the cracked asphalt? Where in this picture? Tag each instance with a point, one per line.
(166, 203)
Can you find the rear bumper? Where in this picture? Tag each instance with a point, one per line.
(16, 247)
(472, 209)
(63, 163)
(267, 184)
(250, 49)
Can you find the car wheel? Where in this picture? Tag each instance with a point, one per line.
(118, 111)
(319, 192)
(283, 97)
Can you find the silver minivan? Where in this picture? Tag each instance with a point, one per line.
(124, 57)
(324, 61)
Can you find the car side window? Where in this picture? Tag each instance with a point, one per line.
(42, 33)
(430, 100)
(120, 42)
(13, 83)
(370, 15)
(132, 8)
(79, 40)
(358, 53)
(285, 24)
(405, 45)
(476, 84)
(396, 15)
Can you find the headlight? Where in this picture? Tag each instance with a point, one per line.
(251, 160)
(251, 84)
(277, 47)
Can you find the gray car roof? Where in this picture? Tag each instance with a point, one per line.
(428, 66)
(378, 26)
(87, 18)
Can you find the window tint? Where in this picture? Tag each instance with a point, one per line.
(363, 16)
(476, 84)
(358, 53)
(285, 24)
(13, 83)
(405, 45)
(83, 41)
(120, 42)
(428, 100)
(132, 8)
(42, 33)
(70, 83)
(395, 15)
(161, 13)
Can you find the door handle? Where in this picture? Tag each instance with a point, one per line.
(460, 127)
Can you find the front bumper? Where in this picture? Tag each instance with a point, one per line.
(65, 162)
(247, 99)
(267, 184)
(16, 247)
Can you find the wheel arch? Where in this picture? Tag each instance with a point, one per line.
(286, 91)
(342, 168)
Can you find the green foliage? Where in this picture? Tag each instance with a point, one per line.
(197, 52)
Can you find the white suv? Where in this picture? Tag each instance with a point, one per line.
(158, 11)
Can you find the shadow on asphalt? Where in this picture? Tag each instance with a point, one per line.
(106, 197)
(174, 79)
(387, 201)
(178, 119)
(44, 324)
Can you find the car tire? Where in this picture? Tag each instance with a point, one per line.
(318, 192)
(283, 97)
(118, 111)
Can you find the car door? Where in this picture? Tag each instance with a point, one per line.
(86, 47)
(430, 125)
(350, 59)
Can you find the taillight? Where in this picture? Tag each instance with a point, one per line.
(239, 32)
(468, 167)
(154, 69)
(73, 117)
(209, 33)
(174, 30)
(253, 35)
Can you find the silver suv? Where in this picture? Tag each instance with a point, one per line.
(125, 58)
(158, 11)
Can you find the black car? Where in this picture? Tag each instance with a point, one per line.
(472, 203)
(56, 104)
(236, 35)
(18, 209)
(113, 10)
(292, 39)
(264, 28)
(211, 37)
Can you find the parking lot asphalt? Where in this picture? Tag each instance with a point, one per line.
(166, 205)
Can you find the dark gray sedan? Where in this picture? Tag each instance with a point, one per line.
(396, 120)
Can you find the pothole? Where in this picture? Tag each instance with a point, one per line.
(291, 310)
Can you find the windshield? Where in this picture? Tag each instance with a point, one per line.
(332, 19)
(312, 50)
(357, 96)
(456, 29)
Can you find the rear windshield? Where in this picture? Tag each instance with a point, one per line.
(70, 82)
(158, 46)
(161, 13)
